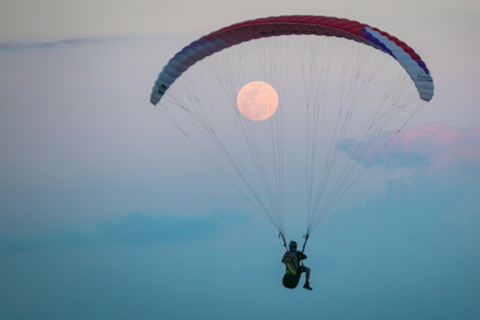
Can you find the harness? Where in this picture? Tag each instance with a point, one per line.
(289, 268)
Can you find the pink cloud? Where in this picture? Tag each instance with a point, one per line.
(433, 146)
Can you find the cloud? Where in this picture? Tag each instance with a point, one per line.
(140, 228)
(66, 237)
(132, 229)
(446, 169)
(434, 147)
(13, 45)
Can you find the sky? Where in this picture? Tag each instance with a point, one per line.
(107, 212)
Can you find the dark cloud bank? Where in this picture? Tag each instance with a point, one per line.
(133, 229)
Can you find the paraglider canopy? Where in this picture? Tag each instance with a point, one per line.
(339, 86)
(295, 25)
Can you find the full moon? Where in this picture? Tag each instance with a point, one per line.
(257, 100)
